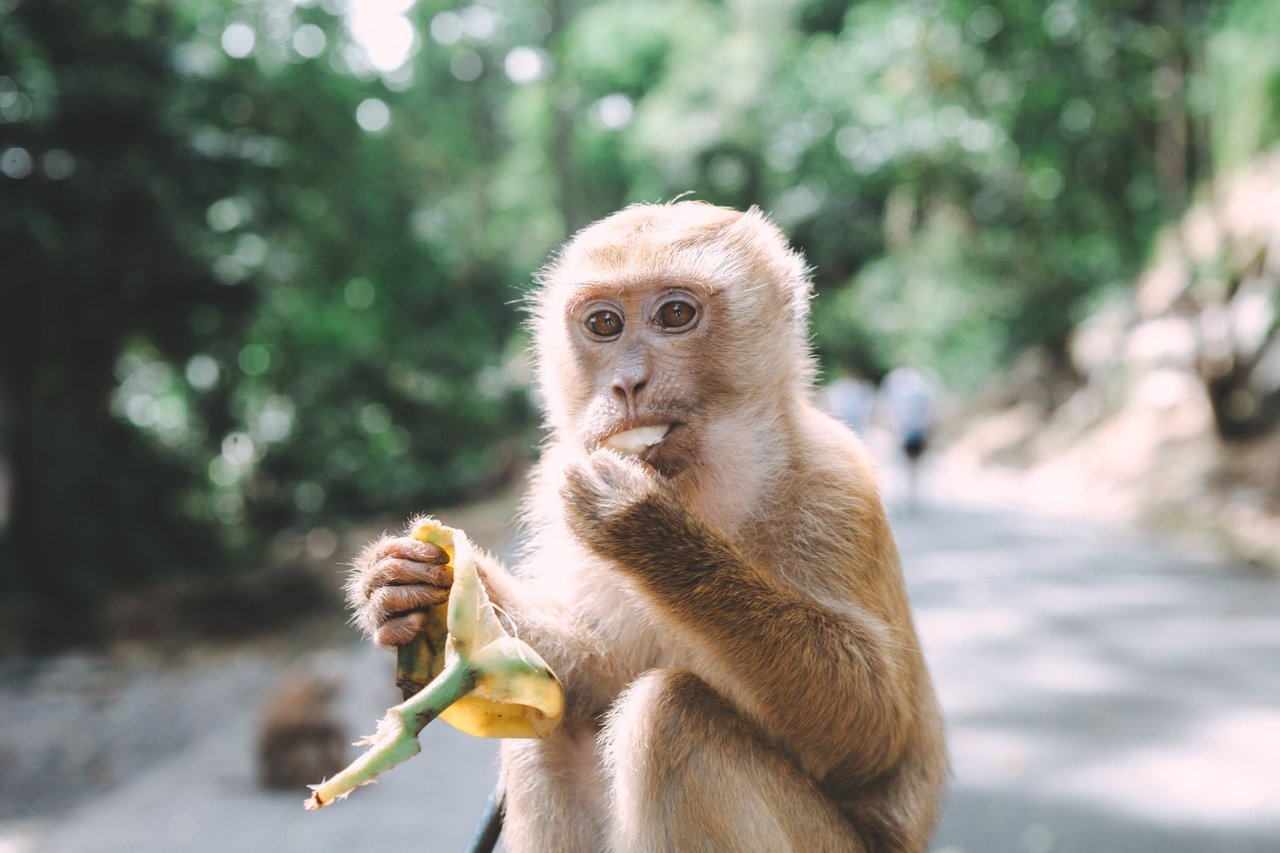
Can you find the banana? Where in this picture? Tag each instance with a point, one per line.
(510, 699)
(466, 670)
(636, 441)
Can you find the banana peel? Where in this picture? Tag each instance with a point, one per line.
(465, 669)
(508, 700)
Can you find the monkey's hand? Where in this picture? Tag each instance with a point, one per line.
(393, 583)
(616, 504)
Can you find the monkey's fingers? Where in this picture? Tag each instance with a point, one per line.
(400, 547)
(396, 600)
(401, 629)
(395, 571)
(407, 548)
(583, 494)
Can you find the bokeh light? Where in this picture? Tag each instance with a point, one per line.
(238, 40)
(373, 115)
(382, 29)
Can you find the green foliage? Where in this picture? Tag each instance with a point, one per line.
(973, 170)
(253, 285)
(1242, 85)
(100, 232)
(260, 267)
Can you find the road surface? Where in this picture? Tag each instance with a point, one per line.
(1104, 692)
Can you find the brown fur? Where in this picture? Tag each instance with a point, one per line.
(728, 620)
(300, 737)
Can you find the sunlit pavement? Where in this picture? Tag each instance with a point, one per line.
(1104, 692)
(205, 797)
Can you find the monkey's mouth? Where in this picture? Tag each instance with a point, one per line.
(639, 441)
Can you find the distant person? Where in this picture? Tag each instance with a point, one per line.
(908, 401)
(850, 398)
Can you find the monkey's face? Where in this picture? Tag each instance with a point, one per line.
(668, 330)
(645, 355)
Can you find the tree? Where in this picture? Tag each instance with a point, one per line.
(104, 202)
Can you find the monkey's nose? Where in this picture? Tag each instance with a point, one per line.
(630, 373)
(629, 379)
(627, 388)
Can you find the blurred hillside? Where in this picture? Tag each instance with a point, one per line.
(261, 261)
(1173, 414)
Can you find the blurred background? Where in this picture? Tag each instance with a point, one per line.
(261, 272)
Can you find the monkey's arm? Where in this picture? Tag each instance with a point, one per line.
(567, 638)
(835, 687)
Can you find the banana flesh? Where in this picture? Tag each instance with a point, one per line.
(467, 670)
(633, 442)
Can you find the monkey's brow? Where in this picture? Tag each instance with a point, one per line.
(583, 292)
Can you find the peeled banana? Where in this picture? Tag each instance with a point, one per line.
(470, 671)
(636, 441)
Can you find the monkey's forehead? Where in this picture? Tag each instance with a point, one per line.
(575, 294)
(691, 245)
(702, 273)
(646, 232)
(649, 260)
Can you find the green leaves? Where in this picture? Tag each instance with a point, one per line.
(314, 254)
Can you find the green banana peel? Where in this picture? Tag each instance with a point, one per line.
(466, 669)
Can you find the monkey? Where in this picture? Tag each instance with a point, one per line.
(709, 568)
(300, 736)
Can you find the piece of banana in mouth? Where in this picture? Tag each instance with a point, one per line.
(634, 442)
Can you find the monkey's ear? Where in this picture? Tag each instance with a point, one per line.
(784, 265)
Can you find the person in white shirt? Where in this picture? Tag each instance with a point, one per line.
(908, 398)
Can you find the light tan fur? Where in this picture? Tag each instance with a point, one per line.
(728, 616)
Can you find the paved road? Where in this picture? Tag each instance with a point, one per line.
(1104, 693)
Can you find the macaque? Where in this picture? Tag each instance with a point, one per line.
(709, 570)
(300, 736)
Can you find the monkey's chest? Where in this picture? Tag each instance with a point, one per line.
(627, 628)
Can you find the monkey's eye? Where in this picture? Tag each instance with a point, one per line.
(605, 323)
(676, 314)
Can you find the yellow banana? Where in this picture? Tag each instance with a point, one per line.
(467, 670)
